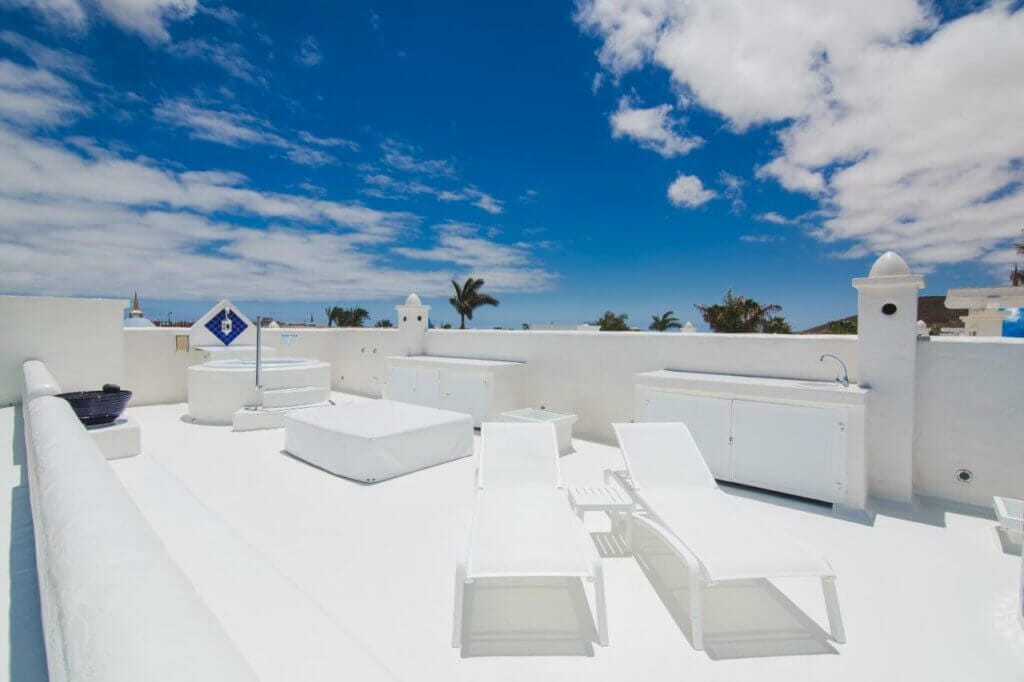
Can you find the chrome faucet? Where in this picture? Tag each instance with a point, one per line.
(845, 379)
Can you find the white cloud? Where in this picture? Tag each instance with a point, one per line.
(55, 61)
(66, 14)
(228, 56)
(481, 200)
(773, 217)
(405, 157)
(733, 190)
(239, 129)
(652, 128)
(221, 13)
(688, 191)
(310, 138)
(309, 52)
(34, 97)
(73, 224)
(147, 18)
(81, 218)
(907, 132)
(503, 266)
(760, 238)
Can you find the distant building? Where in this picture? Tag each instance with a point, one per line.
(931, 310)
(986, 308)
(135, 316)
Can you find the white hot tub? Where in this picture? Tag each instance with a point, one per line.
(216, 390)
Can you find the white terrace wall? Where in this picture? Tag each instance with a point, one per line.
(158, 374)
(591, 373)
(359, 363)
(81, 341)
(970, 415)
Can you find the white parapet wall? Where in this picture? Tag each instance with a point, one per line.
(156, 371)
(969, 417)
(81, 340)
(115, 608)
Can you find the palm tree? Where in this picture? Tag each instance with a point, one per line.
(665, 322)
(776, 325)
(468, 298)
(383, 324)
(610, 322)
(738, 314)
(347, 317)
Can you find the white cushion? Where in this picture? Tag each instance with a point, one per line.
(376, 440)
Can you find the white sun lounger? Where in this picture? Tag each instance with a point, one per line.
(523, 526)
(716, 541)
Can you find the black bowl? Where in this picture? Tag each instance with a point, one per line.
(95, 408)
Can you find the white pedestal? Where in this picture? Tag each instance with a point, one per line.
(123, 438)
(563, 423)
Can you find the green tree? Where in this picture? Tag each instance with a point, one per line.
(610, 322)
(847, 325)
(665, 322)
(347, 317)
(468, 298)
(777, 325)
(383, 324)
(738, 314)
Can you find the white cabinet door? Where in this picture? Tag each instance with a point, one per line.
(709, 421)
(788, 448)
(467, 392)
(415, 385)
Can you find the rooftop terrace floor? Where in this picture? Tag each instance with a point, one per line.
(308, 572)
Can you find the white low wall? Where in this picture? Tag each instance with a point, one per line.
(115, 607)
(965, 388)
(970, 393)
(157, 373)
(81, 341)
(358, 364)
(591, 373)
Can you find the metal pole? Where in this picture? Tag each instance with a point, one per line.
(259, 348)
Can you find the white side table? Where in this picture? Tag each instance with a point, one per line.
(123, 438)
(563, 422)
(610, 499)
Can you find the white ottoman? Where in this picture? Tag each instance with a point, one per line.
(375, 440)
(563, 422)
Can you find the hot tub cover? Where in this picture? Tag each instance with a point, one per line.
(376, 440)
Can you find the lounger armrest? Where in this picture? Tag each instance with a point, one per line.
(625, 482)
(689, 559)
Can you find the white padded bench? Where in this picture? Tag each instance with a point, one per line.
(376, 440)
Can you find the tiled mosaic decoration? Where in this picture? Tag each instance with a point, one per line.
(226, 326)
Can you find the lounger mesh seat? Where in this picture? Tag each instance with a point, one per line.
(718, 542)
(523, 526)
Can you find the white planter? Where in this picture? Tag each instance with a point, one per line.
(563, 423)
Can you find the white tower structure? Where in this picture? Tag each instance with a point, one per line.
(887, 349)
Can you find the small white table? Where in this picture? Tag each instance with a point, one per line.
(122, 438)
(563, 422)
(610, 499)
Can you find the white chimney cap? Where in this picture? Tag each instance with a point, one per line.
(889, 264)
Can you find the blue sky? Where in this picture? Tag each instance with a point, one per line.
(638, 156)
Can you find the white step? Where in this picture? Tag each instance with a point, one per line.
(249, 419)
(291, 397)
